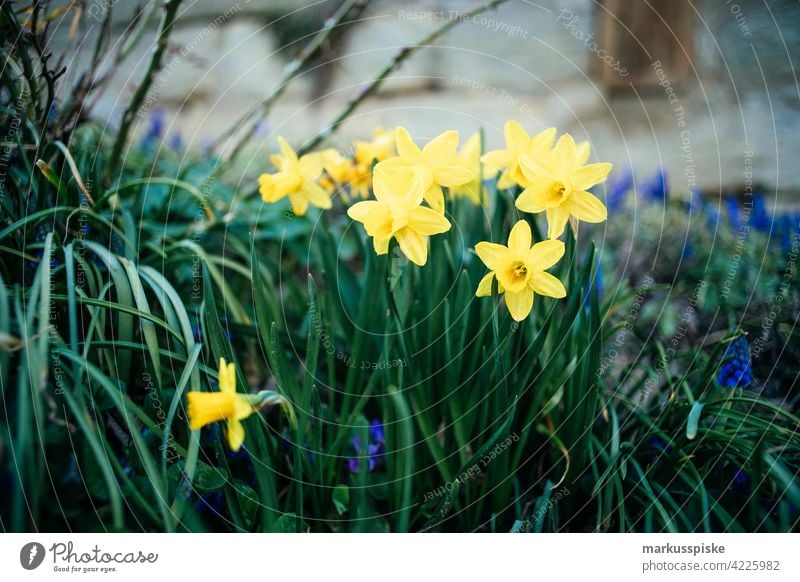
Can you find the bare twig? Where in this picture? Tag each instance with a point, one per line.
(347, 13)
(170, 12)
(389, 68)
(131, 37)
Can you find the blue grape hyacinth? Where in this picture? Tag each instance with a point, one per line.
(375, 448)
(656, 187)
(736, 369)
(618, 187)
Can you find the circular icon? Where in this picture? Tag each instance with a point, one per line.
(31, 555)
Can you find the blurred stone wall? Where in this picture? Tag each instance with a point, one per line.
(736, 111)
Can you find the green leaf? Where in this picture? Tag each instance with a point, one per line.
(341, 498)
(449, 497)
(693, 420)
(208, 478)
(290, 523)
(248, 502)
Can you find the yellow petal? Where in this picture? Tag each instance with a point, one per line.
(435, 197)
(287, 183)
(235, 434)
(316, 195)
(565, 155)
(227, 377)
(493, 255)
(485, 286)
(534, 198)
(242, 407)
(557, 217)
(206, 407)
(471, 191)
(519, 303)
(545, 254)
(440, 150)
(487, 171)
(392, 179)
(472, 147)
(498, 158)
(427, 221)
(519, 240)
(587, 207)
(413, 245)
(542, 142)
(584, 150)
(277, 160)
(517, 139)
(573, 225)
(587, 176)
(381, 245)
(286, 150)
(311, 166)
(406, 148)
(266, 187)
(535, 168)
(546, 284)
(452, 176)
(378, 222)
(299, 203)
(361, 210)
(506, 180)
(417, 190)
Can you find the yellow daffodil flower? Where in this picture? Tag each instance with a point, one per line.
(397, 212)
(345, 171)
(295, 178)
(356, 172)
(558, 186)
(520, 269)
(366, 153)
(380, 148)
(227, 404)
(338, 167)
(338, 172)
(469, 157)
(518, 144)
(434, 164)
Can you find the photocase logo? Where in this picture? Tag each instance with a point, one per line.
(31, 555)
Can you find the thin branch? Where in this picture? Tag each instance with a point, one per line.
(170, 12)
(290, 72)
(389, 68)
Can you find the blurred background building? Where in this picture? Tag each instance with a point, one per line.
(706, 89)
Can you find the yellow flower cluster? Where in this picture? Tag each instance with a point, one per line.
(401, 183)
(408, 184)
(555, 179)
(352, 175)
(409, 206)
